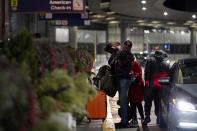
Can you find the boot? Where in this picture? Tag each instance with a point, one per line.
(146, 121)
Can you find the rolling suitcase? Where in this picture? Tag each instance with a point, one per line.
(97, 108)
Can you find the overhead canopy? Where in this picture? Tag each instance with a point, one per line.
(182, 5)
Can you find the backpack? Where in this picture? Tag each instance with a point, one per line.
(105, 81)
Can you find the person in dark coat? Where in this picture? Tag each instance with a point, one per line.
(155, 69)
(113, 49)
(136, 95)
(122, 68)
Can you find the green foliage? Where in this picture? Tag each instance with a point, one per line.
(47, 105)
(50, 83)
(14, 107)
(53, 55)
(20, 49)
(44, 125)
(76, 91)
(82, 58)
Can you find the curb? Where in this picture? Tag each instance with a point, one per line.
(108, 124)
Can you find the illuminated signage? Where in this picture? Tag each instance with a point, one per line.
(53, 6)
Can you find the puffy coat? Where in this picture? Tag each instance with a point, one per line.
(154, 70)
(136, 90)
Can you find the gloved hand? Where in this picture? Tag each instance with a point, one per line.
(147, 83)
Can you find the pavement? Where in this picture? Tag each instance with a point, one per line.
(113, 117)
(152, 126)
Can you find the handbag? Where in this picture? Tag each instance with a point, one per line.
(107, 82)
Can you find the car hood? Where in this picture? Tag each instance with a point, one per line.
(190, 89)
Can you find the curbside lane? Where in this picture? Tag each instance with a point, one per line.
(108, 124)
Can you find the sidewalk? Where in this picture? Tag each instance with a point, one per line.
(151, 126)
(98, 125)
(95, 125)
(112, 117)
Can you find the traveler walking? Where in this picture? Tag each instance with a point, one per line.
(122, 71)
(155, 68)
(136, 94)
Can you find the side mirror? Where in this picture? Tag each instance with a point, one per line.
(164, 81)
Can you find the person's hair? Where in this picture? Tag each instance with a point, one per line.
(128, 43)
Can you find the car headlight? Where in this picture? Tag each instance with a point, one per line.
(185, 106)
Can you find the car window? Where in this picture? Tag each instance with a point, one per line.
(188, 74)
(173, 73)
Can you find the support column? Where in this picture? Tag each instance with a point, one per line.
(2, 20)
(123, 32)
(193, 42)
(73, 36)
(6, 24)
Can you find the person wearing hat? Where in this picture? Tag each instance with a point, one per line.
(122, 68)
(155, 69)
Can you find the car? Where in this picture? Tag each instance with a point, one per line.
(141, 57)
(165, 56)
(179, 96)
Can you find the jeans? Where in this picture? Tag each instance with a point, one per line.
(123, 86)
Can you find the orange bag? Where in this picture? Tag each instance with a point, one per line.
(97, 108)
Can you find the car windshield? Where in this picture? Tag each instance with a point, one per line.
(188, 74)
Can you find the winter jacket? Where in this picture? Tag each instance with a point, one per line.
(122, 66)
(136, 90)
(108, 48)
(154, 70)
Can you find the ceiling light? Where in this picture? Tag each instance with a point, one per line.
(110, 18)
(98, 16)
(158, 25)
(155, 22)
(171, 23)
(194, 16)
(141, 21)
(143, 2)
(143, 8)
(90, 12)
(104, 5)
(186, 24)
(172, 32)
(95, 20)
(154, 30)
(86, 7)
(146, 31)
(194, 24)
(165, 13)
(111, 13)
(149, 24)
(114, 22)
(189, 21)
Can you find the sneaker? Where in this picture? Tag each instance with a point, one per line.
(121, 125)
(146, 121)
(133, 123)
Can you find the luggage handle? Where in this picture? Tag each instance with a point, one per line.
(99, 82)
